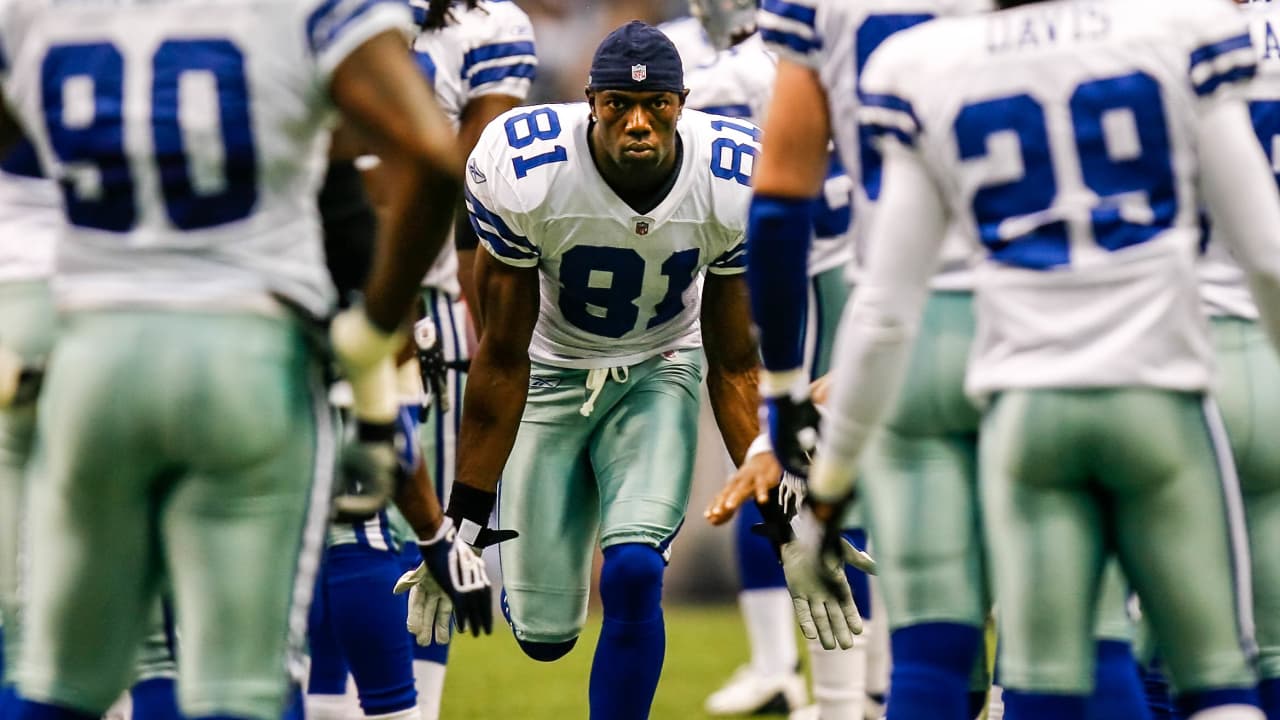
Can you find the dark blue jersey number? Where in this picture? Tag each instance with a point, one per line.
(88, 134)
(1121, 139)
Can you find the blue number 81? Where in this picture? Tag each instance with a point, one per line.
(525, 129)
(729, 157)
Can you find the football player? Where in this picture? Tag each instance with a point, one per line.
(183, 432)
(1248, 372)
(935, 587)
(599, 221)
(1075, 143)
(738, 83)
(479, 57)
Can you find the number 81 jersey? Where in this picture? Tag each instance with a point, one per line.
(617, 286)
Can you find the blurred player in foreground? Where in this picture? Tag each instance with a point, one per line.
(738, 82)
(183, 430)
(1075, 141)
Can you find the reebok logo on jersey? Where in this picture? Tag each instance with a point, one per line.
(543, 383)
(476, 176)
(639, 73)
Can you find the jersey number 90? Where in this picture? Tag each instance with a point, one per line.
(83, 91)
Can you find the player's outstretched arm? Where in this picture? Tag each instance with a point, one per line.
(733, 364)
(496, 390)
(1240, 193)
(384, 99)
(793, 165)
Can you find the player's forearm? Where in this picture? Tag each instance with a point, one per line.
(735, 401)
(420, 211)
(417, 501)
(491, 411)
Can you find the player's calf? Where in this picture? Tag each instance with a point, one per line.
(628, 660)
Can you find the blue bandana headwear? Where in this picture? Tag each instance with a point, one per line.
(638, 57)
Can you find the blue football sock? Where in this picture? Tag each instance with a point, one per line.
(1193, 702)
(1269, 691)
(628, 659)
(977, 701)
(155, 699)
(758, 564)
(931, 667)
(1117, 690)
(1045, 706)
(29, 710)
(368, 622)
(1156, 688)
(295, 708)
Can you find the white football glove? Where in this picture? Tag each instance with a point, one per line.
(819, 590)
(430, 609)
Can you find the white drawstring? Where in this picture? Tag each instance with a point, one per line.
(596, 378)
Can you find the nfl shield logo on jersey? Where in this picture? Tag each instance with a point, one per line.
(642, 227)
(639, 72)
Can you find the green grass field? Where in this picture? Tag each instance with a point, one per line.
(490, 679)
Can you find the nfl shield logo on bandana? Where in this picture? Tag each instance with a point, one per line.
(639, 72)
(642, 227)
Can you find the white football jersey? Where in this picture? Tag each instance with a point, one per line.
(618, 286)
(738, 82)
(1223, 285)
(691, 41)
(1063, 136)
(835, 39)
(190, 139)
(485, 50)
(30, 217)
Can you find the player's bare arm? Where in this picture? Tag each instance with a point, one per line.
(496, 389)
(793, 158)
(382, 95)
(475, 117)
(733, 362)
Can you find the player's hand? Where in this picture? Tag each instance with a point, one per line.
(819, 590)
(458, 570)
(430, 616)
(367, 471)
(753, 481)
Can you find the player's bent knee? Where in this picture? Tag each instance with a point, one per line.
(631, 581)
(546, 652)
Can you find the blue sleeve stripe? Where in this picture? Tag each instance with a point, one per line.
(733, 111)
(889, 102)
(419, 14)
(501, 236)
(792, 11)
(734, 258)
(504, 72)
(1235, 74)
(902, 135)
(332, 18)
(799, 44)
(1222, 47)
(427, 65)
(495, 51)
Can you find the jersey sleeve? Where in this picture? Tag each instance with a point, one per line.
(336, 28)
(885, 108)
(502, 59)
(733, 261)
(493, 205)
(790, 29)
(1222, 59)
